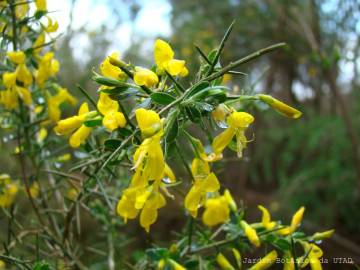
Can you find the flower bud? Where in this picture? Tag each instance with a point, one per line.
(280, 106)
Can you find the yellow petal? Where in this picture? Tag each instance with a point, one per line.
(107, 69)
(148, 121)
(192, 199)
(25, 95)
(211, 183)
(266, 218)
(239, 119)
(175, 67)
(230, 200)
(145, 77)
(79, 136)
(222, 140)
(114, 120)
(216, 211)
(9, 79)
(250, 233)
(41, 5)
(280, 107)
(162, 53)
(24, 75)
(68, 125)
(106, 105)
(16, 57)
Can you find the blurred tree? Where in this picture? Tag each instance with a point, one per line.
(318, 158)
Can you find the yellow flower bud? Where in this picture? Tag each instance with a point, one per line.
(223, 262)
(265, 262)
(250, 233)
(280, 106)
(230, 200)
(175, 265)
(323, 235)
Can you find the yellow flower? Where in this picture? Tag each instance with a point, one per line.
(295, 222)
(145, 77)
(72, 193)
(23, 75)
(113, 119)
(51, 25)
(9, 98)
(41, 135)
(55, 101)
(64, 157)
(223, 262)
(146, 199)
(149, 122)
(266, 262)
(40, 5)
(216, 212)
(38, 44)
(164, 59)
(68, 125)
(9, 79)
(237, 122)
(34, 190)
(108, 70)
(280, 106)
(2, 265)
(266, 218)
(250, 233)
(21, 9)
(8, 190)
(48, 67)
(230, 200)
(204, 182)
(17, 57)
(312, 255)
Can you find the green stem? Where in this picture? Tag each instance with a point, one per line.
(241, 61)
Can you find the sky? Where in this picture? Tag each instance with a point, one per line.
(152, 20)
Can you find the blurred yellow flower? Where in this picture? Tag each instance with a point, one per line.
(8, 190)
(55, 101)
(41, 5)
(48, 67)
(312, 256)
(223, 262)
(266, 218)
(295, 222)
(41, 135)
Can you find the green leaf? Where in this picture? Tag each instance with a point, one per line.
(41, 266)
(172, 131)
(156, 254)
(112, 144)
(197, 88)
(114, 91)
(162, 98)
(282, 244)
(108, 81)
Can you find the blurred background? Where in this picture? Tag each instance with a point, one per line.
(313, 161)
